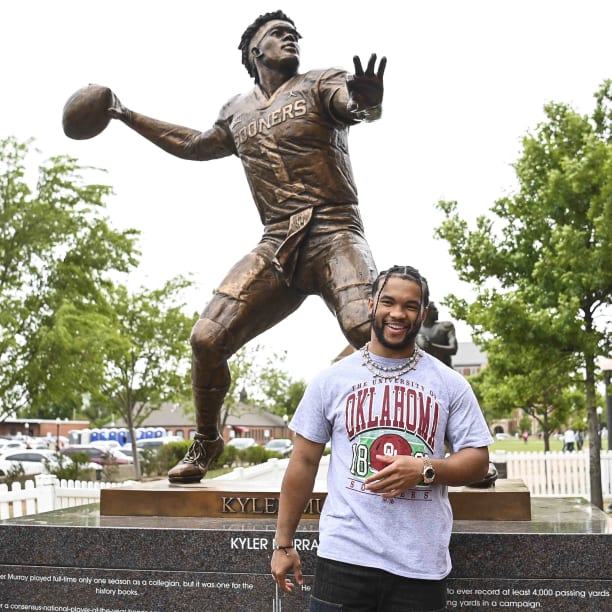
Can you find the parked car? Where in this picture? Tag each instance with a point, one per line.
(157, 442)
(127, 450)
(103, 456)
(503, 436)
(283, 446)
(8, 446)
(104, 444)
(241, 443)
(32, 461)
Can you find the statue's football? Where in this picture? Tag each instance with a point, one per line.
(85, 113)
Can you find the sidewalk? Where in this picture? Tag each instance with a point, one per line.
(271, 473)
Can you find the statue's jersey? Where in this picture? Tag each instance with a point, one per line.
(293, 149)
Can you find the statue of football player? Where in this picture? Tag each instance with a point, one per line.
(291, 133)
(438, 338)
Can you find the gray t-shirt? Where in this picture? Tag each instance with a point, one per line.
(365, 416)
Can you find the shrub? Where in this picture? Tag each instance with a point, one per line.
(227, 457)
(253, 454)
(168, 455)
(149, 462)
(71, 470)
(16, 473)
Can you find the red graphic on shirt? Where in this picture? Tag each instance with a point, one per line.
(388, 445)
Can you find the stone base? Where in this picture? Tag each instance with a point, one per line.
(508, 500)
(76, 559)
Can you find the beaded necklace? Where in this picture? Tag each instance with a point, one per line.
(391, 371)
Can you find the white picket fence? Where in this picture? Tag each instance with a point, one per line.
(47, 493)
(556, 474)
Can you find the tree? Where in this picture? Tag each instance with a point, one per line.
(543, 274)
(282, 393)
(524, 370)
(58, 255)
(148, 355)
(257, 375)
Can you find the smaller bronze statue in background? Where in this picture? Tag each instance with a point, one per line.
(438, 338)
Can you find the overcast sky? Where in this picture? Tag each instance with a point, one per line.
(465, 81)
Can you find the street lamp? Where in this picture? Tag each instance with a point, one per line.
(285, 421)
(57, 429)
(599, 411)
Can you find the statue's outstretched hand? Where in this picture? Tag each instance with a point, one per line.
(366, 89)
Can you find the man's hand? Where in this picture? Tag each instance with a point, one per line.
(283, 563)
(366, 89)
(401, 474)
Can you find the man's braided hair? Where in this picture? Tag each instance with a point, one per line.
(406, 272)
(250, 32)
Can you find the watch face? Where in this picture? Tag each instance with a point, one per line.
(429, 473)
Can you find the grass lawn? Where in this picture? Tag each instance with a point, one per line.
(533, 445)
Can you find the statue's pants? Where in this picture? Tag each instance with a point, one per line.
(331, 258)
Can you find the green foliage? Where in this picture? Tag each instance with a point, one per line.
(110, 469)
(168, 455)
(253, 454)
(68, 329)
(525, 423)
(542, 270)
(257, 377)
(148, 355)
(149, 462)
(57, 256)
(228, 457)
(74, 469)
(15, 473)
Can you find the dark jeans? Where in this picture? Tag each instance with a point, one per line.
(352, 588)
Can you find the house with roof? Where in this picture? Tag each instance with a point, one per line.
(469, 359)
(244, 421)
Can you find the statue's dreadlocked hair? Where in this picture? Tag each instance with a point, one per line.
(406, 272)
(249, 33)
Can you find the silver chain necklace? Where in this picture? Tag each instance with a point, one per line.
(392, 371)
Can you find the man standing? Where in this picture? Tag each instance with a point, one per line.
(388, 410)
(569, 439)
(290, 132)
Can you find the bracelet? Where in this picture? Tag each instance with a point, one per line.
(284, 548)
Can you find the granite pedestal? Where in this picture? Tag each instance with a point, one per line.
(507, 500)
(77, 559)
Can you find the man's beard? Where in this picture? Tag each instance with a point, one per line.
(409, 338)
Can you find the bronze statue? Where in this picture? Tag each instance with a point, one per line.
(290, 132)
(438, 338)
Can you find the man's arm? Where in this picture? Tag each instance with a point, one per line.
(296, 489)
(362, 99)
(175, 139)
(404, 473)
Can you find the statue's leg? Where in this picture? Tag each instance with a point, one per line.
(251, 299)
(345, 282)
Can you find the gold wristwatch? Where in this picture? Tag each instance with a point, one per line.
(429, 473)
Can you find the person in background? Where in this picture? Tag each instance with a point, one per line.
(569, 439)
